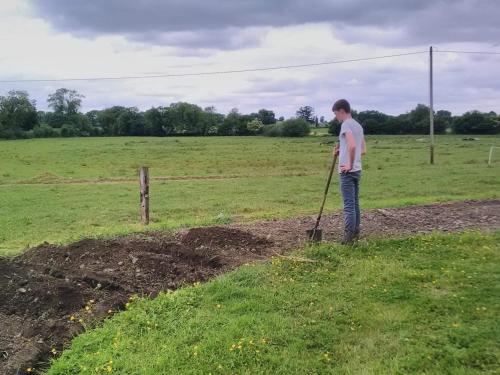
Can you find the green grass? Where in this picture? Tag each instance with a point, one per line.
(276, 178)
(418, 305)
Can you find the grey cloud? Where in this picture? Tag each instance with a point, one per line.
(212, 24)
(132, 16)
(230, 38)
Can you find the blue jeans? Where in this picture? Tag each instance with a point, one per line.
(349, 186)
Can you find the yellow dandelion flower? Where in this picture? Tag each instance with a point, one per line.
(91, 301)
(72, 318)
(54, 351)
(29, 369)
(110, 311)
(109, 369)
(80, 320)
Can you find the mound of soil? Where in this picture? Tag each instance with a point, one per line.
(51, 293)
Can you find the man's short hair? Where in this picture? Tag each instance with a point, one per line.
(342, 104)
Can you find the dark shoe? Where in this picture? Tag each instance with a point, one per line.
(348, 239)
(356, 235)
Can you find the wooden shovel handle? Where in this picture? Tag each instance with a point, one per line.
(326, 192)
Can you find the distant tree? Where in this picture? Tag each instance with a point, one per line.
(267, 117)
(159, 121)
(420, 121)
(444, 114)
(322, 119)
(281, 118)
(66, 105)
(66, 102)
(131, 122)
(476, 122)
(108, 119)
(92, 118)
(306, 113)
(186, 118)
(211, 120)
(443, 120)
(41, 116)
(255, 126)
(230, 123)
(17, 114)
(374, 122)
(92, 123)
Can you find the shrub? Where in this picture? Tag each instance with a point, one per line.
(68, 131)
(295, 127)
(273, 130)
(45, 131)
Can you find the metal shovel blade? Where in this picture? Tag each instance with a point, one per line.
(314, 235)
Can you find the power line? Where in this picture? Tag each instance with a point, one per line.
(167, 75)
(470, 52)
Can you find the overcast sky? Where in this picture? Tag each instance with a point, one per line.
(52, 39)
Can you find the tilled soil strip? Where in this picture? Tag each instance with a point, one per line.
(51, 293)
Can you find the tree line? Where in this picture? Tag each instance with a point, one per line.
(417, 122)
(19, 118)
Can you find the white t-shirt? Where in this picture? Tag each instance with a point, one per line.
(350, 126)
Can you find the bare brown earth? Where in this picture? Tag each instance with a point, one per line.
(52, 179)
(51, 293)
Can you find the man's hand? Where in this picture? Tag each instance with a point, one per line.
(336, 150)
(345, 168)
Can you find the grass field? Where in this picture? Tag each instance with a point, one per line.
(399, 306)
(60, 190)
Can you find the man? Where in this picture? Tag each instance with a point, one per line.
(352, 146)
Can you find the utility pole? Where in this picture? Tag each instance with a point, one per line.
(431, 107)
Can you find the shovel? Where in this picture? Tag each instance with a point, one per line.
(316, 234)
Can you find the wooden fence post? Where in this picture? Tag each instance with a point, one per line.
(144, 181)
